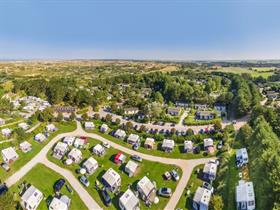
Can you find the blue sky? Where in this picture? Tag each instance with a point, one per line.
(154, 29)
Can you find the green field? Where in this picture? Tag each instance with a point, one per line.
(153, 170)
(255, 72)
(44, 179)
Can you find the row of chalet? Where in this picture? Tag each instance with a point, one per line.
(8, 131)
(168, 145)
(32, 197)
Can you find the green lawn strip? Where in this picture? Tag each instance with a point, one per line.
(177, 153)
(36, 147)
(44, 179)
(153, 170)
(194, 182)
(230, 180)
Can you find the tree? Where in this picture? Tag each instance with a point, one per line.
(117, 121)
(189, 132)
(85, 116)
(96, 116)
(244, 134)
(216, 203)
(217, 125)
(72, 116)
(173, 131)
(155, 109)
(46, 115)
(59, 117)
(5, 106)
(108, 118)
(128, 125)
(142, 128)
(158, 97)
(20, 134)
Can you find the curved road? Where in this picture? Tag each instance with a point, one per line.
(186, 166)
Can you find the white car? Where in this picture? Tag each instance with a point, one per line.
(106, 144)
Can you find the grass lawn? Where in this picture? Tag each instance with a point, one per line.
(153, 170)
(36, 147)
(44, 178)
(190, 120)
(194, 182)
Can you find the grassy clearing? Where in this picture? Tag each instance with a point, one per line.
(44, 178)
(194, 182)
(264, 72)
(36, 147)
(153, 170)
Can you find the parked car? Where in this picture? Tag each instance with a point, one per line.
(69, 188)
(3, 189)
(196, 150)
(106, 197)
(136, 146)
(165, 192)
(84, 181)
(136, 158)
(220, 145)
(167, 175)
(175, 175)
(58, 185)
(5, 166)
(208, 186)
(234, 122)
(106, 144)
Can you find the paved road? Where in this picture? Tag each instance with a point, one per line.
(186, 166)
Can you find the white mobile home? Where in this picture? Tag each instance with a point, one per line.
(25, 146)
(130, 168)
(245, 196)
(111, 180)
(9, 155)
(31, 198)
(128, 201)
(90, 165)
(201, 199)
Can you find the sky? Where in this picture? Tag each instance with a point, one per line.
(133, 29)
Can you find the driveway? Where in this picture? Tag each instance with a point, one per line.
(182, 117)
(186, 166)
